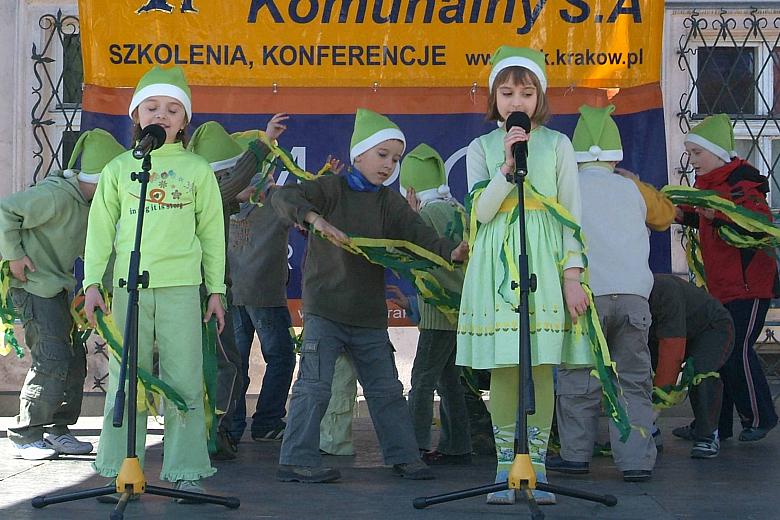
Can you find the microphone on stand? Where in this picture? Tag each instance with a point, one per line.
(520, 149)
(152, 137)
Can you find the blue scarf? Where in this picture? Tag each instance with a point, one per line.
(357, 182)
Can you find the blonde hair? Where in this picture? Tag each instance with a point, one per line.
(519, 76)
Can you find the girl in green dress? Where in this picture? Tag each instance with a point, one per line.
(488, 324)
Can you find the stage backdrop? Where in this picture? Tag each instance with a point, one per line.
(422, 62)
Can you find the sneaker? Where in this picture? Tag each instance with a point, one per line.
(637, 475)
(753, 434)
(191, 486)
(659, 442)
(416, 470)
(507, 497)
(114, 498)
(543, 498)
(37, 450)
(436, 458)
(560, 465)
(274, 434)
(306, 474)
(706, 448)
(685, 432)
(67, 444)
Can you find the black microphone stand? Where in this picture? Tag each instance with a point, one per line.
(130, 480)
(521, 475)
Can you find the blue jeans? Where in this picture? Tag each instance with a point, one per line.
(272, 325)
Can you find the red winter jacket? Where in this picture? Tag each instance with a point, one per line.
(733, 273)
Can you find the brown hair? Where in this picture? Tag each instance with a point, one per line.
(519, 76)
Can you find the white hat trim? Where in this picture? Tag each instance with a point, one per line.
(371, 141)
(91, 178)
(162, 89)
(603, 155)
(225, 163)
(518, 61)
(711, 147)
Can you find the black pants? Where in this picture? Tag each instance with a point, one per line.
(744, 382)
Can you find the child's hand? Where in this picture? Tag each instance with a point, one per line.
(707, 213)
(411, 198)
(18, 267)
(276, 126)
(246, 193)
(335, 164)
(215, 308)
(515, 135)
(332, 233)
(398, 297)
(575, 298)
(92, 299)
(460, 254)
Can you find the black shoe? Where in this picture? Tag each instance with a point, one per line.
(272, 434)
(306, 474)
(416, 470)
(226, 448)
(685, 432)
(436, 458)
(637, 475)
(560, 465)
(753, 434)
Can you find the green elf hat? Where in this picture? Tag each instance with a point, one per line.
(96, 148)
(506, 57)
(370, 130)
(212, 142)
(715, 134)
(423, 169)
(596, 137)
(163, 82)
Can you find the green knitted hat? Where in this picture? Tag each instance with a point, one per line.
(214, 144)
(96, 148)
(423, 169)
(163, 82)
(530, 59)
(370, 130)
(715, 134)
(597, 137)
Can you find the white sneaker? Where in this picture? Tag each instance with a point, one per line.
(67, 444)
(37, 450)
(193, 486)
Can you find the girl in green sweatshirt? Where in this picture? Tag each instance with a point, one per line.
(183, 236)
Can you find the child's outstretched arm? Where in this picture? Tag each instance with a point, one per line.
(307, 204)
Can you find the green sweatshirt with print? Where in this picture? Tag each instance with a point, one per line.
(48, 224)
(182, 229)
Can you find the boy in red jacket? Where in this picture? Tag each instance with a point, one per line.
(743, 279)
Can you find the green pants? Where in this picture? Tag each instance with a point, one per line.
(50, 399)
(336, 425)
(171, 317)
(504, 390)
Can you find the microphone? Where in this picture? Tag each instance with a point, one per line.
(519, 150)
(152, 137)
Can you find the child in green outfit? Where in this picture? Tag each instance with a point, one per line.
(488, 323)
(42, 232)
(183, 233)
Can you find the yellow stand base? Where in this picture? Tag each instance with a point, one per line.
(131, 474)
(522, 471)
